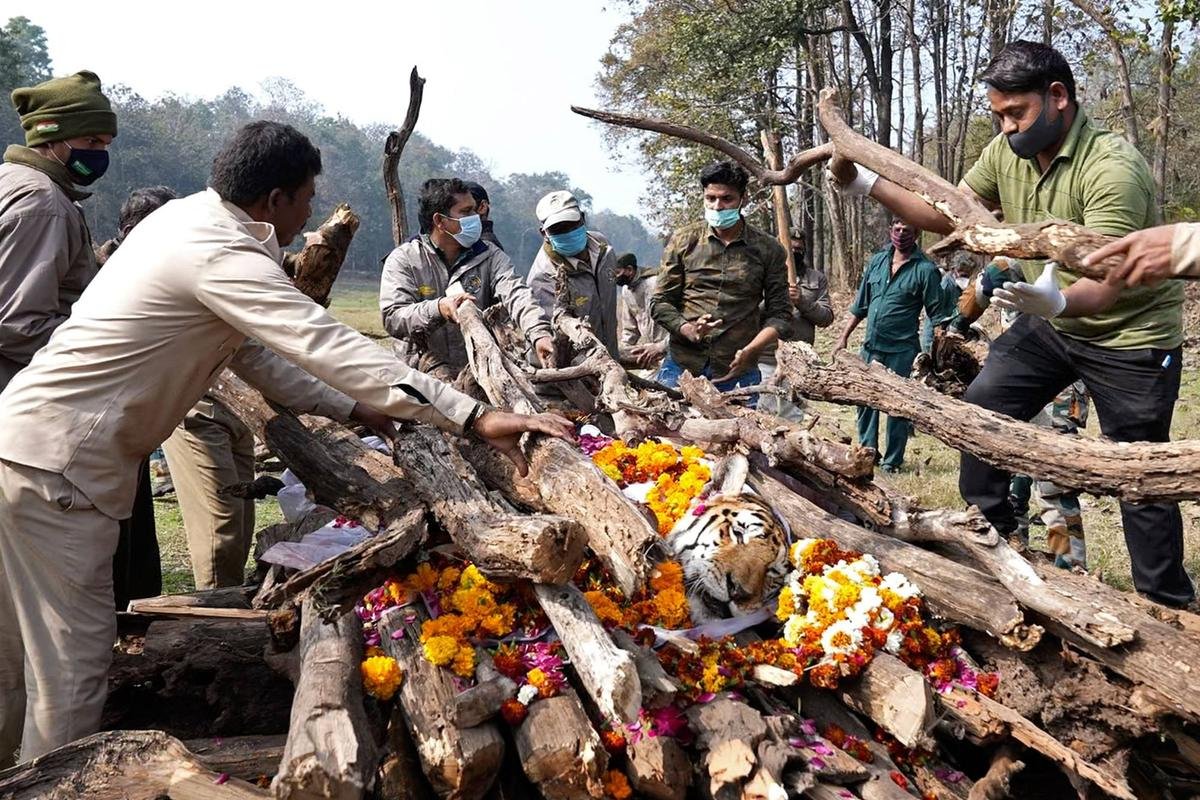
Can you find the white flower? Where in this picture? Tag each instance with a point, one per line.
(841, 637)
(526, 694)
(798, 550)
(860, 569)
(899, 584)
(793, 630)
(892, 645)
(884, 618)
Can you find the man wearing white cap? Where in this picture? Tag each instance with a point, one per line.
(586, 262)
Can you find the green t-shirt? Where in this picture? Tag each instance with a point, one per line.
(1100, 181)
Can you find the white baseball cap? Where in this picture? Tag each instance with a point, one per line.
(556, 207)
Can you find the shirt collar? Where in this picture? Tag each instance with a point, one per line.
(28, 157)
(263, 232)
(1079, 128)
(741, 237)
(466, 255)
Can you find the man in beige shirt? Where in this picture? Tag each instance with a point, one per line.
(175, 305)
(1154, 254)
(643, 341)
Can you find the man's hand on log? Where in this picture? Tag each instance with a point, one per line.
(696, 331)
(544, 348)
(448, 306)
(374, 419)
(743, 360)
(502, 430)
(1147, 256)
(860, 186)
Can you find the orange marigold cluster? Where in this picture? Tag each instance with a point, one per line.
(679, 476)
(616, 785)
(381, 676)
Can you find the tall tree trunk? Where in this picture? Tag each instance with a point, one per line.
(883, 98)
(1048, 22)
(918, 87)
(1113, 35)
(1166, 72)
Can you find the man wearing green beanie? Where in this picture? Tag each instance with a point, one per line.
(46, 256)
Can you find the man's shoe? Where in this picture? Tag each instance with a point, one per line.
(890, 469)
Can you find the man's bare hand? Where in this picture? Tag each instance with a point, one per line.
(374, 419)
(793, 294)
(544, 348)
(502, 430)
(697, 330)
(837, 348)
(743, 361)
(1147, 257)
(448, 306)
(647, 355)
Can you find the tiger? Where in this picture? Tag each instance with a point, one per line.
(733, 555)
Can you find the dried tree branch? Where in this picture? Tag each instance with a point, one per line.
(392, 148)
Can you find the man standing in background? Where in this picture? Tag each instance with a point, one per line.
(643, 341)
(483, 206)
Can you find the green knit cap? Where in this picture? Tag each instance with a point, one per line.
(64, 108)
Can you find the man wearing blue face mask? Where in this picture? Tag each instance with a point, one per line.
(586, 263)
(722, 290)
(426, 279)
(46, 256)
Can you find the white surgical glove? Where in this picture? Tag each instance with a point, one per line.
(864, 180)
(1042, 298)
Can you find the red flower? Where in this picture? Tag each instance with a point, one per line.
(513, 711)
(899, 779)
(614, 742)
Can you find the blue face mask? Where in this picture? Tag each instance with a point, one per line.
(87, 166)
(723, 218)
(570, 243)
(469, 231)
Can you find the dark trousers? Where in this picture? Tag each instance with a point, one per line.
(137, 570)
(1134, 393)
(898, 428)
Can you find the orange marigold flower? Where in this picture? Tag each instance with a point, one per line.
(671, 608)
(423, 579)
(616, 785)
(440, 650)
(667, 575)
(449, 578)
(614, 742)
(513, 711)
(381, 677)
(464, 662)
(608, 611)
(989, 682)
(507, 661)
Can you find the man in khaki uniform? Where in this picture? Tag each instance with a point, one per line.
(426, 279)
(46, 256)
(586, 261)
(643, 341)
(1153, 255)
(175, 305)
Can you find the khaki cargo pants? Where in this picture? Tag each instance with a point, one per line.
(209, 450)
(57, 621)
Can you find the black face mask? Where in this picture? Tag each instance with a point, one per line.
(1038, 136)
(623, 279)
(87, 166)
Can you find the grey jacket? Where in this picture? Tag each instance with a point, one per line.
(633, 313)
(415, 277)
(814, 310)
(46, 257)
(590, 288)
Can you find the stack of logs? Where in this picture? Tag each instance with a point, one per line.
(262, 685)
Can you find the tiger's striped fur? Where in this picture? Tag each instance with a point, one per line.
(734, 555)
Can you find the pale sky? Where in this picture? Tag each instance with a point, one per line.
(501, 75)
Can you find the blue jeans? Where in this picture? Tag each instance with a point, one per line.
(669, 372)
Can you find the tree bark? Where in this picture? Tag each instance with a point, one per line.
(1113, 35)
(392, 148)
(1139, 472)
(329, 751)
(896, 697)
(247, 757)
(317, 265)
(1162, 125)
(773, 152)
(559, 750)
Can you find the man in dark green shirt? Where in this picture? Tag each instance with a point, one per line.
(1051, 161)
(898, 282)
(715, 276)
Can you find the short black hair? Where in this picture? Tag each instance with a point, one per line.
(478, 192)
(627, 260)
(727, 173)
(437, 197)
(261, 157)
(139, 205)
(1024, 66)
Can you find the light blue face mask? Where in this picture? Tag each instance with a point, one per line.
(570, 243)
(470, 230)
(722, 218)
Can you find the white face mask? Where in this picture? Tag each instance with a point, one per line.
(962, 282)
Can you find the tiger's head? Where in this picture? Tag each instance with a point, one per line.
(733, 554)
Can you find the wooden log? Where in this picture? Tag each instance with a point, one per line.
(459, 762)
(483, 700)
(897, 697)
(226, 597)
(960, 704)
(559, 750)
(607, 672)
(659, 768)
(122, 765)
(728, 734)
(247, 757)
(1134, 472)
(318, 264)
(994, 784)
(566, 481)
(200, 612)
(400, 776)
(658, 688)
(392, 148)
(957, 593)
(329, 751)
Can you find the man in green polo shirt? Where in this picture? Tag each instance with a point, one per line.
(1051, 161)
(716, 275)
(898, 282)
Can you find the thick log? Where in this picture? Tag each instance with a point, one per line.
(247, 757)
(318, 264)
(728, 734)
(329, 751)
(122, 765)
(658, 688)
(957, 593)
(559, 750)
(194, 678)
(1135, 472)
(459, 762)
(227, 597)
(567, 482)
(483, 700)
(200, 612)
(400, 776)
(659, 768)
(607, 672)
(961, 704)
(392, 148)
(897, 697)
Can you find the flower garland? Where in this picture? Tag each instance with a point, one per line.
(662, 602)
(536, 668)
(678, 476)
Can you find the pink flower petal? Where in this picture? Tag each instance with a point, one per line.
(398, 633)
(221, 779)
(816, 763)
